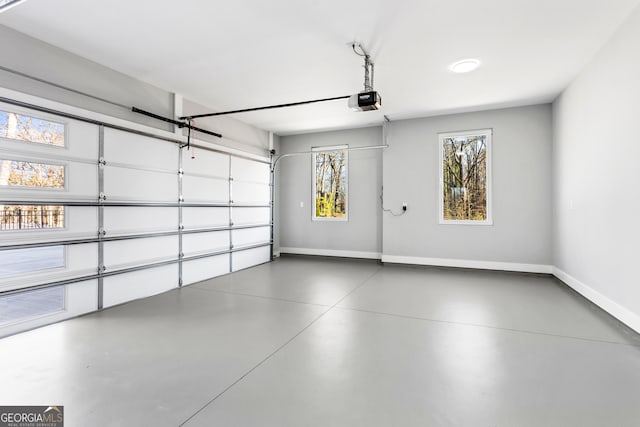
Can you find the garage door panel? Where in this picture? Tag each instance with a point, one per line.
(251, 193)
(124, 184)
(128, 253)
(246, 216)
(206, 163)
(245, 170)
(251, 236)
(200, 189)
(119, 220)
(250, 258)
(195, 244)
(131, 149)
(140, 284)
(205, 268)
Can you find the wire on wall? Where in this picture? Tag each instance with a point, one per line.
(402, 212)
(385, 140)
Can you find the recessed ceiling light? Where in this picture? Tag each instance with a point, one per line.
(8, 4)
(464, 66)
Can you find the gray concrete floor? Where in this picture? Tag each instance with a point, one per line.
(318, 342)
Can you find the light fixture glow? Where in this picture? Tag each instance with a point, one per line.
(464, 66)
(8, 4)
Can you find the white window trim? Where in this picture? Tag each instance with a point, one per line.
(39, 230)
(441, 136)
(315, 150)
(40, 160)
(40, 316)
(42, 272)
(41, 116)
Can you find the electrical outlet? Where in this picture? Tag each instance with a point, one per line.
(302, 204)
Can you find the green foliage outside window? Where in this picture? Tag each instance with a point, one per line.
(330, 170)
(464, 176)
(31, 129)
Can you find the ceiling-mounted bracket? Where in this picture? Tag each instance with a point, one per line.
(368, 65)
(367, 99)
(188, 144)
(184, 122)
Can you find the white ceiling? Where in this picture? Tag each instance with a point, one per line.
(248, 53)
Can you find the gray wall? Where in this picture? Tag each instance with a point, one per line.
(362, 232)
(38, 59)
(276, 207)
(235, 133)
(596, 152)
(521, 230)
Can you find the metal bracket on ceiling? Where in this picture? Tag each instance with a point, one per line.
(188, 144)
(368, 65)
(181, 124)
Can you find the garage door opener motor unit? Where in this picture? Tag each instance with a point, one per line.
(368, 99)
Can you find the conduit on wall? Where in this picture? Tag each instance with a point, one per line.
(274, 164)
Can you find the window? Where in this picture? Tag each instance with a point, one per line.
(465, 177)
(31, 129)
(27, 305)
(15, 173)
(329, 167)
(25, 217)
(29, 260)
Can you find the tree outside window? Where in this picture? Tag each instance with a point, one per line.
(330, 184)
(465, 177)
(31, 129)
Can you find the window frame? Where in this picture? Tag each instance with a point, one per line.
(35, 229)
(41, 315)
(488, 132)
(323, 149)
(39, 271)
(40, 116)
(41, 161)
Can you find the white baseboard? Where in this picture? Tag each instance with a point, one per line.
(463, 263)
(330, 252)
(621, 313)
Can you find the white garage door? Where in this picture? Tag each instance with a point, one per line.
(109, 215)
